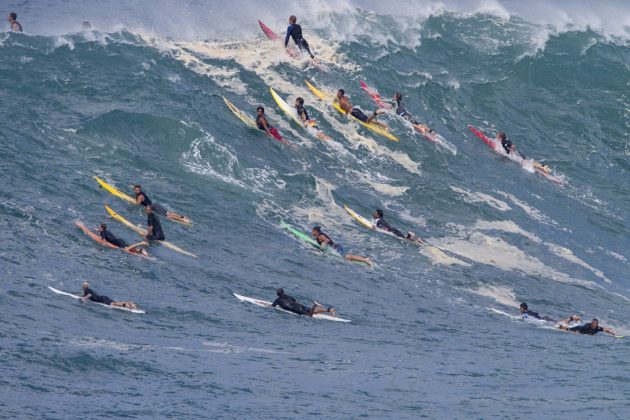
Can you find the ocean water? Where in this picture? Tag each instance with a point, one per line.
(138, 99)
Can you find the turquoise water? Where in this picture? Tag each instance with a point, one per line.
(138, 99)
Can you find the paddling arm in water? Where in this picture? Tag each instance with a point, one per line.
(401, 111)
(288, 303)
(295, 31)
(346, 106)
(381, 223)
(89, 294)
(324, 240)
(591, 328)
(142, 198)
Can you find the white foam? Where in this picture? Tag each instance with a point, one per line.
(500, 294)
(478, 197)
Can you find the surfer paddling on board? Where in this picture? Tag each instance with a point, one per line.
(325, 240)
(89, 294)
(143, 199)
(263, 124)
(526, 313)
(154, 227)
(344, 103)
(381, 223)
(401, 111)
(295, 31)
(306, 121)
(590, 328)
(288, 303)
(15, 25)
(510, 149)
(107, 236)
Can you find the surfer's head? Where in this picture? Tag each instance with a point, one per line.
(398, 96)
(260, 110)
(148, 209)
(594, 322)
(501, 136)
(340, 93)
(279, 291)
(12, 17)
(378, 213)
(316, 230)
(137, 189)
(523, 307)
(299, 101)
(292, 19)
(102, 227)
(86, 285)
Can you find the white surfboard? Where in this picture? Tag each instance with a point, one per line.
(265, 304)
(61, 292)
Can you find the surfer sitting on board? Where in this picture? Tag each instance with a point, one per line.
(288, 303)
(510, 149)
(526, 313)
(306, 121)
(295, 31)
(107, 236)
(89, 294)
(402, 112)
(381, 223)
(324, 239)
(344, 103)
(143, 199)
(263, 124)
(591, 328)
(154, 227)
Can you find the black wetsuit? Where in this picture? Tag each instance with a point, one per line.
(97, 298)
(381, 223)
(506, 145)
(260, 125)
(295, 31)
(340, 249)
(109, 237)
(147, 202)
(287, 302)
(158, 234)
(529, 313)
(402, 111)
(586, 329)
(302, 113)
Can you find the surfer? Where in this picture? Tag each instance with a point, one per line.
(15, 25)
(288, 303)
(295, 31)
(526, 313)
(381, 223)
(89, 294)
(346, 106)
(306, 121)
(325, 240)
(107, 236)
(263, 124)
(143, 199)
(401, 111)
(154, 227)
(590, 328)
(510, 149)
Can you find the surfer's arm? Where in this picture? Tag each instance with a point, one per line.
(86, 297)
(608, 331)
(286, 38)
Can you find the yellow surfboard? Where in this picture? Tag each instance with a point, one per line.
(143, 232)
(375, 128)
(240, 114)
(362, 220)
(285, 107)
(114, 191)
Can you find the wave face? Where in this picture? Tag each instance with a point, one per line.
(138, 99)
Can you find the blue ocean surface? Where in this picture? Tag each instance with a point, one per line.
(138, 98)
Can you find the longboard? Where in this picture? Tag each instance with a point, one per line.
(117, 193)
(266, 304)
(292, 113)
(103, 242)
(250, 122)
(143, 232)
(498, 149)
(310, 241)
(373, 127)
(77, 297)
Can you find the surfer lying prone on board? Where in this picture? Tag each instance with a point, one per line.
(381, 223)
(295, 31)
(324, 239)
(306, 121)
(263, 124)
(401, 111)
(526, 313)
(344, 103)
(89, 294)
(288, 303)
(510, 149)
(591, 328)
(143, 199)
(107, 236)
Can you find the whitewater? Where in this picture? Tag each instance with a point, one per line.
(137, 98)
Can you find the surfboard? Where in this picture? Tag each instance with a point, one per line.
(117, 193)
(373, 127)
(310, 241)
(266, 304)
(375, 96)
(370, 225)
(362, 220)
(292, 113)
(525, 163)
(77, 297)
(143, 232)
(97, 238)
(250, 122)
(292, 51)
